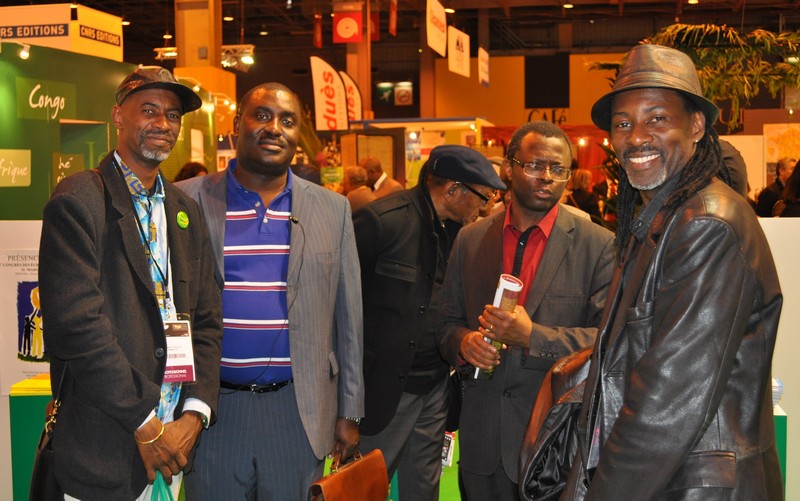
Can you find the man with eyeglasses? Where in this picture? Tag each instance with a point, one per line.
(403, 243)
(565, 263)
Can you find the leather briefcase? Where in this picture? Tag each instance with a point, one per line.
(364, 479)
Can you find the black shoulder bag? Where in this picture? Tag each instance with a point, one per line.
(44, 486)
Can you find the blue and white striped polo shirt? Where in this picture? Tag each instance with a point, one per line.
(255, 347)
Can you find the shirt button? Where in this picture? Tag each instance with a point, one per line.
(411, 344)
(421, 310)
(159, 352)
(507, 394)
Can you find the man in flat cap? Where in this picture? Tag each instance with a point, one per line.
(564, 262)
(133, 315)
(678, 403)
(403, 244)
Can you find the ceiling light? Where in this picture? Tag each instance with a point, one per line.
(449, 11)
(693, 2)
(263, 33)
(568, 5)
(163, 53)
(238, 57)
(166, 36)
(125, 22)
(227, 19)
(25, 51)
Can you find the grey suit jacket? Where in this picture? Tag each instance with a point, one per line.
(565, 302)
(102, 318)
(324, 296)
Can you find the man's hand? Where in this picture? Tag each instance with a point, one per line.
(476, 351)
(347, 438)
(161, 450)
(185, 431)
(512, 328)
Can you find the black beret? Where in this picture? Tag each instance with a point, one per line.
(463, 164)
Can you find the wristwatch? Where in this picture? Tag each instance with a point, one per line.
(356, 420)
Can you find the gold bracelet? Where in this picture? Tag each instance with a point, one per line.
(154, 439)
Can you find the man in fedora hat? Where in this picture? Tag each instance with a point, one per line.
(125, 262)
(677, 403)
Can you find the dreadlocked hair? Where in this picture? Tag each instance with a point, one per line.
(705, 164)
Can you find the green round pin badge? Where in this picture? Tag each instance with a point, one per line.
(183, 220)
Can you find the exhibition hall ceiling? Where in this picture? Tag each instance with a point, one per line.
(514, 26)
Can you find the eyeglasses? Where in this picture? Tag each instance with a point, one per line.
(486, 198)
(537, 170)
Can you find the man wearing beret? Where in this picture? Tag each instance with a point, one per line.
(124, 261)
(404, 241)
(564, 262)
(678, 403)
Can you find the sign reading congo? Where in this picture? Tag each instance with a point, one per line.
(44, 99)
(330, 97)
(15, 168)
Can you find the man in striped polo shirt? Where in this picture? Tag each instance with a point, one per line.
(291, 382)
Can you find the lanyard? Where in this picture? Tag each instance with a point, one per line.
(146, 240)
(138, 190)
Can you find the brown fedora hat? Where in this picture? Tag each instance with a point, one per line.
(655, 66)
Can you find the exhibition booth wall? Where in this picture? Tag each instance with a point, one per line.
(56, 120)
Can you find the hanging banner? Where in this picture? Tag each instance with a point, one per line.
(318, 31)
(330, 98)
(457, 51)
(348, 22)
(436, 27)
(354, 105)
(483, 66)
(393, 17)
(374, 26)
(81, 30)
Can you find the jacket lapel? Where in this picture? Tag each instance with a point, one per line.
(554, 252)
(178, 240)
(491, 251)
(213, 199)
(131, 241)
(297, 239)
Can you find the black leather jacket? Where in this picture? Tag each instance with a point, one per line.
(682, 393)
